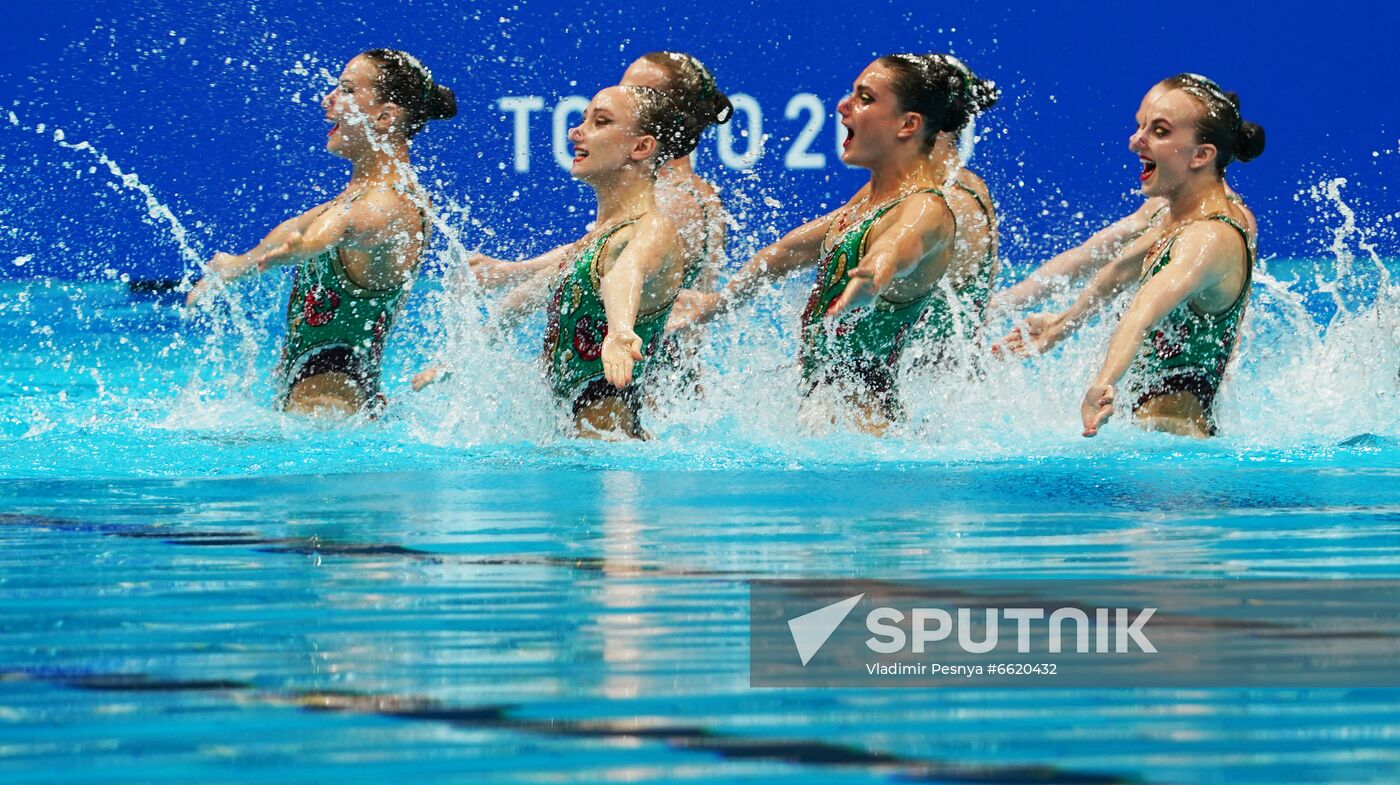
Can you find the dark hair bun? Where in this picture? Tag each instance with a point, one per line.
(442, 103)
(696, 95)
(983, 95)
(970, 97)
(1249, 143)
(721, 109)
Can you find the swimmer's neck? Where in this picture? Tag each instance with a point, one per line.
(623, 194)
(944, 158)
(901, 175)
(1196, 200)
(388, 166)
(677, 169)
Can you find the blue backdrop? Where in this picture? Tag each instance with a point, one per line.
(215, 110)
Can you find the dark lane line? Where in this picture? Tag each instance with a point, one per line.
(679, 738)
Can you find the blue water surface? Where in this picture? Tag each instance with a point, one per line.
(197, 589)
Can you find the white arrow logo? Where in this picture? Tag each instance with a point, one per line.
(810, 630)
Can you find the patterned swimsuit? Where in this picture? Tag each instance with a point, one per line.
(577, 325)
(1189, 349)
(863, 346)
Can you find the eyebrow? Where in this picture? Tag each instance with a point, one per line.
(862, 87)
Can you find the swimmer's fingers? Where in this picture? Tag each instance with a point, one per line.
(1044, 342)
(221, 267)
(427, 376)
(676, 322)
(1037, 323)
(621, 351)
(194, 295)
(1013, 343)
(486, 269)
(1046, 330)
(683, 313)
(202, 292)
(1097, 407)
(859, 293)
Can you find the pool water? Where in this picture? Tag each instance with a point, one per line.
(197, 589)
(582, 625)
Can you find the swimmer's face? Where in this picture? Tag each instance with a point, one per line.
(875, 125)
(608, 139)
(355, 110)
(1165, 142)
(644, 73)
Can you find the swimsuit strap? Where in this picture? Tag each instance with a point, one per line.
(597, 246)
(880, 211)
(876, 213)
(960, 185)
(986, 211)
(1248, 252)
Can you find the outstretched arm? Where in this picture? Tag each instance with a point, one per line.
(1201, 258)
(621, 292)
(797, 249)
(1045, 331)
(498, 273)
(922, 226)
(1081, 260)
(225, 267)
(362, 224)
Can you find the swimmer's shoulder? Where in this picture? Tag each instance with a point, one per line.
(1220, 241)
(974, 181)
(1149, 213)
(390, 206)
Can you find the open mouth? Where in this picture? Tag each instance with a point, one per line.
(1148, 167)
(850, 135)
(579, 155)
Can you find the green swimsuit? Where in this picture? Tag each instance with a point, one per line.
(1189, 349)
(577, 325)
(943, 320)
(864, 345)
(337, 326)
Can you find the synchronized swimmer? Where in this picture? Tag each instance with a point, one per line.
(905, 267)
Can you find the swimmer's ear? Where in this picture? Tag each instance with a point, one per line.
(644, 148)
(1203, 155)
(391, 115)
(912, 126)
